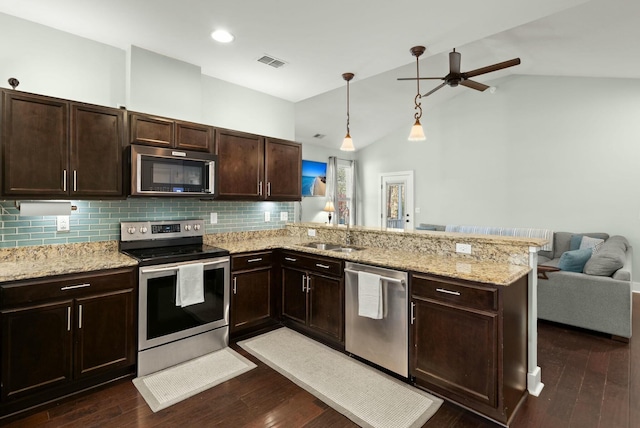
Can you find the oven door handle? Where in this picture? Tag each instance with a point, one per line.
(175, 267)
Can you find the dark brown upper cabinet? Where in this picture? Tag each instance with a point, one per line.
(165, 132)
(58, 148)
(252, 167)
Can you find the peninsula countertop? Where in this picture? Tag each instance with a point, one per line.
(44, 261)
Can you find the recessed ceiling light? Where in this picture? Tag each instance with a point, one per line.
(222, 36)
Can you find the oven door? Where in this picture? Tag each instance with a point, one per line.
(161, 321)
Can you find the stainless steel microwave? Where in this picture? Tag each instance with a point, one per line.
(159, 171)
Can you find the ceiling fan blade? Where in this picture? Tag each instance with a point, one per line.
(434, 89)
(422, 78)
(491, 68)
(454, 62)
(474, 85)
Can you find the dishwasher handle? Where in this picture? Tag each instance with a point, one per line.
(384, 278)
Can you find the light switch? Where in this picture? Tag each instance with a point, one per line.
(214, 218)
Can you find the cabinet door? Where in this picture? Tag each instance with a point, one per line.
(35, 152)
(283, 170)
(36, 348)
(240, 165)
(294, 295)
(454, 349)
(152, 131)
(251, 298)
(105, 332)
(96, 151)
(326, 305)
(194, 136)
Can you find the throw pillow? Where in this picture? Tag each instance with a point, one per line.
(609, 258)
(574, 260)
(576, 241)
(593, 243)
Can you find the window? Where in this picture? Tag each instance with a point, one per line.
(345, 192)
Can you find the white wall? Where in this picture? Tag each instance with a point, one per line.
(58, 64)
(51, 62)
(550, 152)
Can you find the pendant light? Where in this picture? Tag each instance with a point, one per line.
(417, 133)
(347, 143)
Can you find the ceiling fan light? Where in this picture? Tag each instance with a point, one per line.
(417, 133)
(347, 144)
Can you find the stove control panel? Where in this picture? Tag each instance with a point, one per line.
(161, 229)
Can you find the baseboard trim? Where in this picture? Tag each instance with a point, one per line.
(635, 287)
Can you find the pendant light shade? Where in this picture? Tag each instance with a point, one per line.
(417, 133)
(347, 143)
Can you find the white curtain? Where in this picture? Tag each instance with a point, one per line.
(354, 213)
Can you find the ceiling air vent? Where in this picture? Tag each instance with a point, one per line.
(273, 62)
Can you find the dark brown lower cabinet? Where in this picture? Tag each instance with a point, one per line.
(252, 296)
(64, 335)
(469, 343)
(313, 296)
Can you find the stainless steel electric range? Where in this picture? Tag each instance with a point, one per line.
(169, 334)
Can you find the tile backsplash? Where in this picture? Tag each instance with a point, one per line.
(100, 220)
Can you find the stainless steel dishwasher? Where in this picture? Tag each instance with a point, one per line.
(384, 341)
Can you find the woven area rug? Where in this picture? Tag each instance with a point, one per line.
(170, 386)
(365, 395)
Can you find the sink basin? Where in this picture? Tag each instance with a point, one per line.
(347, 249)
(322, 246)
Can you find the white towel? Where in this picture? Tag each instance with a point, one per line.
(190, 284)
(370, 295)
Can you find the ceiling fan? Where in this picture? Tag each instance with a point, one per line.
(455, 77)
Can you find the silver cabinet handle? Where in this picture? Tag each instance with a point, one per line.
(73, 287)
(64, 180)
(79, 316)
(75, 180)
(304, 287)
(290, 259)
(259, 259)
(442, 290)
(308, 283)
(413, 315)
(268, 188)
(260, 188)
(235, 284)
(322, 266)
(69, 318)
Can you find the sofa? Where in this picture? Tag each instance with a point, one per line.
(596, 297)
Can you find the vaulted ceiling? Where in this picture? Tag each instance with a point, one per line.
(318, 41)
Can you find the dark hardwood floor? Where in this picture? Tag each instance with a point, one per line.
(590, 381)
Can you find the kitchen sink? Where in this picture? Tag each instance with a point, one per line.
(322, 246)
(332, 247)
(347, 249)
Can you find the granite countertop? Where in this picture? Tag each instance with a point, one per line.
(485, 272)
(49, 260)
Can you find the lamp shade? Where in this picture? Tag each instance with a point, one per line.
(347, 144)
(329, 207)
(417, 133)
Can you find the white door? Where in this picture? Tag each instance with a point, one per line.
(396, 200)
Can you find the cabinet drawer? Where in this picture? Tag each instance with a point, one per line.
(454, 292)
(64, 287)
(313, 263)
(251, 260)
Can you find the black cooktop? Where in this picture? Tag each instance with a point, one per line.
(174, 254)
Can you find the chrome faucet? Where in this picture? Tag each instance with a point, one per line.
(347, 221)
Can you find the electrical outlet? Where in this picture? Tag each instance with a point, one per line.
(214, 218)
(311, 232)
(463, 248)
(267, 216)
(62, 223)
(284, 216)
